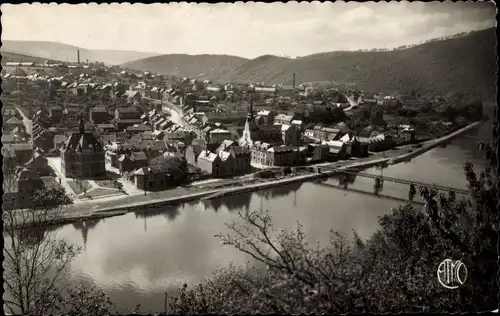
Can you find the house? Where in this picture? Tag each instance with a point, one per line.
(309, 133)
(8, 112)
(12, 123)
(337, 149)
(166, 172)
(106, 128)
(28, 181)
(227, 166)
(378, 142)
(132, 95)
(128, 113)
(355, 148)
(99, 115)
(218, 135)
(281, 119)
(43, 141)
(225, 145)
(82, 155)
(209, 163)
(406, 133)
(138, 128)
(290, 134)
(39, 164)
(265, 154)
(135, 160)
(56, 114)
(122, 124)
(108, 138)
(74, 112)
(319, 152)
(267, 116)
(23, 152)
(241, 156)
(8, 139)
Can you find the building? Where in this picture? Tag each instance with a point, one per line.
(39, 164)
(241, 158)
(264, 133)
(82, 155)
(266, 116)
(222, 164)
(12, 123)
(319, 152)
(283, 119)
(56, 114)
(290, 134)
(127, 113)
(265, 154)
(406, 133)
(133, 161)
(218, 135)
(23, 152)
(99, 115)
(160, 175)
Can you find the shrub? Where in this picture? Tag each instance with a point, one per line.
(394, 271)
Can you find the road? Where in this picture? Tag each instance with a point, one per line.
(176, 112)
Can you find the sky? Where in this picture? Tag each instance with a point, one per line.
(244, 29)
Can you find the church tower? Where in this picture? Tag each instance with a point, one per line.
(246, 138)
(81, 126)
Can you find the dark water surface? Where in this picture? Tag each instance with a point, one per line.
(135, 258)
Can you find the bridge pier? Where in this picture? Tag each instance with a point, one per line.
(344, 173)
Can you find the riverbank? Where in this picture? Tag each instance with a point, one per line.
(433, 143)
(83, 212)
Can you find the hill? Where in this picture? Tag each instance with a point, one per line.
(202, 66)
(6, 57)
(465, 63)
(63, 52)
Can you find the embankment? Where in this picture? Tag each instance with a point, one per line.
(323, 172)
(433, 144)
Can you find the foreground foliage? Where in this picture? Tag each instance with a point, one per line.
(394, 271)
(36, 260)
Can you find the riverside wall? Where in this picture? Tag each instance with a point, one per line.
(434, 143)
(222, 192)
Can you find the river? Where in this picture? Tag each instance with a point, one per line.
(135, 258)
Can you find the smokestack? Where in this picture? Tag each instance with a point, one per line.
(294, 80)
(78, 56)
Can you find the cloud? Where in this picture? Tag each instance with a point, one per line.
(245, 29)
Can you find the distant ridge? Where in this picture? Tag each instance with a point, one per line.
(8, 57)
(466, 63)
(201, 66)
(65, 52)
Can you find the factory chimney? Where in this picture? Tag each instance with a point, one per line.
(293, 84)
(78, 56)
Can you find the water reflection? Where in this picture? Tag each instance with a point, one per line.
(281, 191)
(170, 212)
(232, 202)
(85, 227)
(138, 256)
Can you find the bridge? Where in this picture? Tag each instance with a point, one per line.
(377, 195)
(397, 180)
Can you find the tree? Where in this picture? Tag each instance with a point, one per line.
(36, 260)
(393, 271)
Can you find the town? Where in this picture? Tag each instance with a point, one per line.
(100, 131)
(249, 158)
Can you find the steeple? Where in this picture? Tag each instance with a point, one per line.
(81, 126)
(250, 108)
